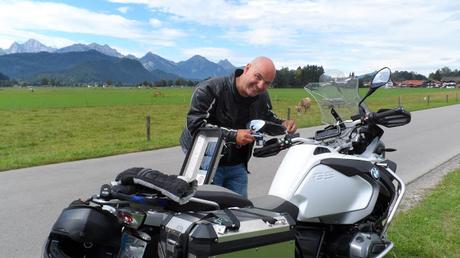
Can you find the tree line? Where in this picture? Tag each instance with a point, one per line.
(443, 73)
(5, 81)
(166, 83)
(405, 75)
(298, 78)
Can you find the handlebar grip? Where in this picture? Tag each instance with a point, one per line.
(378, 116)
(294, 135)
(271, 147)
(355, 117)
(390, 117)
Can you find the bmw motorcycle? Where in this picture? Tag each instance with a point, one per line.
(345, 190)
(333, 195)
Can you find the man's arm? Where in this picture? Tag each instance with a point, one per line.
(203, 100)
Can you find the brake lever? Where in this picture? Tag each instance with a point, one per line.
(259, 138)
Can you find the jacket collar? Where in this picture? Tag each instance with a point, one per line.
(238, 72)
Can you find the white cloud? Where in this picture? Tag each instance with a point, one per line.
(22, 15)
(155, 22)
(361, 30)
(350, 35)
(20, 20)
(10, 35)
(171, 33)
(123, 9)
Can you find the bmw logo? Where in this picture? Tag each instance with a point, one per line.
(375, 172)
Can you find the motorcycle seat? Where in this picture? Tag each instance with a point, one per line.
(276, 204)
(213, 197)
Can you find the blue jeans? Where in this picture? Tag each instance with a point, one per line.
(234, 178)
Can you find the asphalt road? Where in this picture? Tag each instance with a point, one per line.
(32, 198)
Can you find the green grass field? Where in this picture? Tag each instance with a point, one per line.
(49, 125)
(432, 228)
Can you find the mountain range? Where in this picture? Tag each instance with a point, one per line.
(77, 67)
(80, 63)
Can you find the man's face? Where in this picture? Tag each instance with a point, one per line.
(256, 79)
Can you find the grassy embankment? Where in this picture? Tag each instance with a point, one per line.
(51, 125)
(432, 228)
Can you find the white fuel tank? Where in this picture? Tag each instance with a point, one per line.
(292, 170)
(319, 190)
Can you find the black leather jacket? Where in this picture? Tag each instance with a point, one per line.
(216, 102)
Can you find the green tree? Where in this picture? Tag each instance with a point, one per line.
(297, 78)
(435, 76)
(44, 81)
(282, 79)
(5, 81)
(146, 84)
(405, 75)
(446, 71)
(180, 82)
(161, 83)
(298, 75)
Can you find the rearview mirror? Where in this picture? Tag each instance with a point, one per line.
(381, 78)
(256, 125)
(267, 127)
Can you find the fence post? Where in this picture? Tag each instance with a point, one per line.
(399, 101)
(447, 98)
(428, 99)
(456, 96)
(289, 114)
(147, 126)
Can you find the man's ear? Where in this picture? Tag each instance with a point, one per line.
(246, 68)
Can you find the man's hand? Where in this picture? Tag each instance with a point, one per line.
(244, 137)
(290, 126)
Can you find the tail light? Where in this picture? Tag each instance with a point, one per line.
(131, 218)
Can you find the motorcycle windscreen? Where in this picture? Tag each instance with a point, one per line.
(203, 157)
(342, 95)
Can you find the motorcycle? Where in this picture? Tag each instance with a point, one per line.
(346, 191)
(333, 195)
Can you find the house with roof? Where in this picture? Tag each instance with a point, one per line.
(433, 84)
(451, 81)
(412, 83)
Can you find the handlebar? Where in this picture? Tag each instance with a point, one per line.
(386, 117)
(389, 117)
(275, 145)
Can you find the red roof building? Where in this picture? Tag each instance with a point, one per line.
(412, 83)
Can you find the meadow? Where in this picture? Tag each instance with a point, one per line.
(49, 125)
(431, 228)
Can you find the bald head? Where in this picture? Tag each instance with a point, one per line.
(266, 65)
(256, 77)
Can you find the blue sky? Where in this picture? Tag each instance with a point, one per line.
(359, 36)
